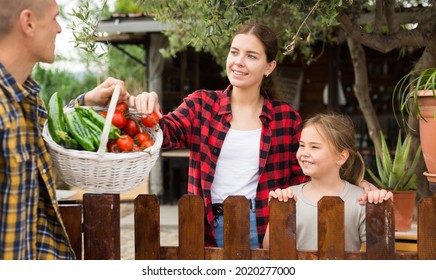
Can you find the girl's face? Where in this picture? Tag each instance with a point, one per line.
(246, 62)
(316, 156)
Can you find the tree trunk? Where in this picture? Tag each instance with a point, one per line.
(361, 91)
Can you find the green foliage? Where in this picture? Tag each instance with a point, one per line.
(407, 88)
(125, 68)
(84, 27)
(63, 82)
(210, 25)
(128, 6)
(396, 174)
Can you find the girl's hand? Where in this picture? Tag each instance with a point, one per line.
(376, 196)
(282, 194)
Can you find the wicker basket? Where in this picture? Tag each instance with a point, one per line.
(100, 171)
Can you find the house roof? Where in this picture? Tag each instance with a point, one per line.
(130, 23)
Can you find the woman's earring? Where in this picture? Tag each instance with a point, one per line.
(266, 75)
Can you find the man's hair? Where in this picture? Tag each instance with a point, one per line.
(10, 12)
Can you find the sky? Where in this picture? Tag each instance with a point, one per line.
(64, 40)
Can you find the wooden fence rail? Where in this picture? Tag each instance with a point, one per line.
(98, 218)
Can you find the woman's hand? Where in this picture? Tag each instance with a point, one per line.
(282, 194)
(146, 102)
(101, 95)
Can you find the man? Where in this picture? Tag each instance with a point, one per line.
(30, 223)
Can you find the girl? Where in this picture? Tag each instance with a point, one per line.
(328, 155)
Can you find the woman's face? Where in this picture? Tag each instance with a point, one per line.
(246, 62)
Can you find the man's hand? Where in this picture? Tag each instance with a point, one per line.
(101, 95)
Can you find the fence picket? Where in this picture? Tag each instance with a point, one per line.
(236, 228)
(191, 228)
(283, 245)
(101, 226)
(427, 229)
(331, 238)
(380, 231)
(147, 227)
(71, 213)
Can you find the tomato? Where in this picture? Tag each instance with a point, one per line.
(122, 106)
(137, 148)
(150, 120)
(119, 120)
(146, 144)
(113, 147)
(131, 128)
(104, 114)
(141, 137)
(125, 143)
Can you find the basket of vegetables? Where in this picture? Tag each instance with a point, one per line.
(99, 149)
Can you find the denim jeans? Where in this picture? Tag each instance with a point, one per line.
(219, 230)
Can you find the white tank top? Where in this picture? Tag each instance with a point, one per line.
(237, 166)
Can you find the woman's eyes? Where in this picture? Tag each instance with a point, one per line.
(236, 53)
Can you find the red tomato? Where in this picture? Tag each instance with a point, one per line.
(137, 148)
(104, 113)
(122, 106)
(146, 144)
(141, 137)
(131, 128)
(150, 120)
(119, 120)
(125, 143)
(113, 147)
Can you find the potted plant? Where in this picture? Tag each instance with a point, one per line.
(417, 97)
(397, 175)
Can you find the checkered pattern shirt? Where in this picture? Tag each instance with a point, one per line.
(201, 123)
(30, 222)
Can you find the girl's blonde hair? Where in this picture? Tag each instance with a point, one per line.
(339, 131)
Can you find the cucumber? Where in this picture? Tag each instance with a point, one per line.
(56, 120)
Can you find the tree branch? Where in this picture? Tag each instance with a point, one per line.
(378, 17)
(390, 14)
(418, 37)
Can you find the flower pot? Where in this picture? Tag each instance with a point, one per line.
(427, 128)
(431, 178)
(404, 204)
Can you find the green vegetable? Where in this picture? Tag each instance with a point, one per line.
(99, 120)
(94, 130)
(68, 142)
(79, 131)
(56, 121)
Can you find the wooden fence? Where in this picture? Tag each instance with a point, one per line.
(97, 220)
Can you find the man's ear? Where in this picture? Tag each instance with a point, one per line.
(27, 21)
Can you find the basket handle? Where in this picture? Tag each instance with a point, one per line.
(107, 125)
